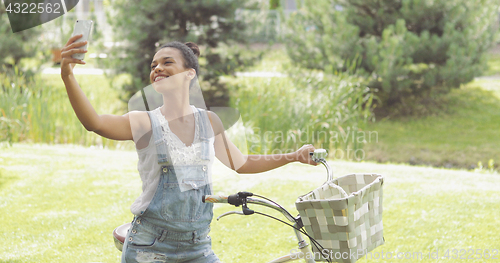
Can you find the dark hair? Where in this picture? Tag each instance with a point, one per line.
(190, 53)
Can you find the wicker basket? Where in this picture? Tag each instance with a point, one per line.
(347, 227)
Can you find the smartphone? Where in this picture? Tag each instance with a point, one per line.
(83, 27)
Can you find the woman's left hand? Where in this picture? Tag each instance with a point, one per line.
(303, 156)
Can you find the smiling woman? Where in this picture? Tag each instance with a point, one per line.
(169, 63)
(176, 144)
(186, 51)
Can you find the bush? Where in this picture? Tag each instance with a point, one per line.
(38, 110)
(24, 109)
(408, 49)
(281, 114)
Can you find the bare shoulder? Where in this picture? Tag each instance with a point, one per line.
(216, 122)
(139, 120)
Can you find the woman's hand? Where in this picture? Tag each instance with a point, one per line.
(67, 62)
(303, 156)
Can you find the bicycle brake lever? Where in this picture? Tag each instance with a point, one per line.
(230, 213)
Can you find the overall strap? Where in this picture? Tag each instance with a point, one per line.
(161, 145)
(205, 134)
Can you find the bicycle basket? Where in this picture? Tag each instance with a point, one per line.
(347, 227)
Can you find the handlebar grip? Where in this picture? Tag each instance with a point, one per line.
(214, 199)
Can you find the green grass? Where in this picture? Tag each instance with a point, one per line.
(463, 135)
(43, 113)
(60, 203)
(102, 97)
(493, 65)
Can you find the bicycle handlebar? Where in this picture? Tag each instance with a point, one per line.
(242, 198)
(214, 199)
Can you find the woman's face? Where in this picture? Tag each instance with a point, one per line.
(166, 63)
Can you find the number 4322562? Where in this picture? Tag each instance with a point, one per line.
(33, 8)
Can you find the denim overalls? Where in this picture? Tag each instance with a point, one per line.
(175, 225)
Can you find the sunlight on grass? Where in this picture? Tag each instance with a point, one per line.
(64, 202)
(461, 137)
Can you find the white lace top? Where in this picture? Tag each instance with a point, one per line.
(180, 154)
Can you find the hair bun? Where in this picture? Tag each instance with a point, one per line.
(194, 48)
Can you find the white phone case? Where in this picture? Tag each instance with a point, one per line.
(82, 27)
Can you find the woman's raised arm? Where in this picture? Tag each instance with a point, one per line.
(109, 126)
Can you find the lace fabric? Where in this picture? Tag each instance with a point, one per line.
(181, 154)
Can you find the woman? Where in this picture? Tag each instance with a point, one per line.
(176, 144)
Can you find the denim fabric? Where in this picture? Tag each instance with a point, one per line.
(175, 225)
(147, 242)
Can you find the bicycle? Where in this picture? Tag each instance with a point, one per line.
(244, 198)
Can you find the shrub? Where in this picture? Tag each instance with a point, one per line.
(409, 49)
(38, 111)
(281, 114)
(24, 114)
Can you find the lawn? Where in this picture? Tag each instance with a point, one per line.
(62, 202)
(465, 133)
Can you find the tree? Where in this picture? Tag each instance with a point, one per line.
(16, 46)
(142, 26)
(410, 49)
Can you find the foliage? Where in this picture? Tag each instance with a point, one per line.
(18, 98)
(410, 49)
(263, 26)
(281, 114)
(143, 26)
(274, 4)
(16, 46)
(39, 111)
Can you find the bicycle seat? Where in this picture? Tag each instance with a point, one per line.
(119, 235)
